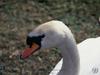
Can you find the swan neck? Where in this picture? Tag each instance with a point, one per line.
(70, 57)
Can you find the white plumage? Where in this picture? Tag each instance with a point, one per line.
(89, 51)
(81, 59)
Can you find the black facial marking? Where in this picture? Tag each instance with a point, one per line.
(34, 39)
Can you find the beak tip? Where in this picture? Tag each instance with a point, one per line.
(21, 57)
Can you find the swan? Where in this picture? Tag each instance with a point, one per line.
(81, 59)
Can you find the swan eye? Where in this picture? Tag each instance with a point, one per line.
(34, 39)
(42, 36)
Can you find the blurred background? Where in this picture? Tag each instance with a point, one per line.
(19, 17)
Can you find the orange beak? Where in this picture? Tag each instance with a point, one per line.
(28, 51)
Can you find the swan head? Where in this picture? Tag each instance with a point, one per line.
(45, 36)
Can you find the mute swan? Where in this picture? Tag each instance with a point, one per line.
(77, 60)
